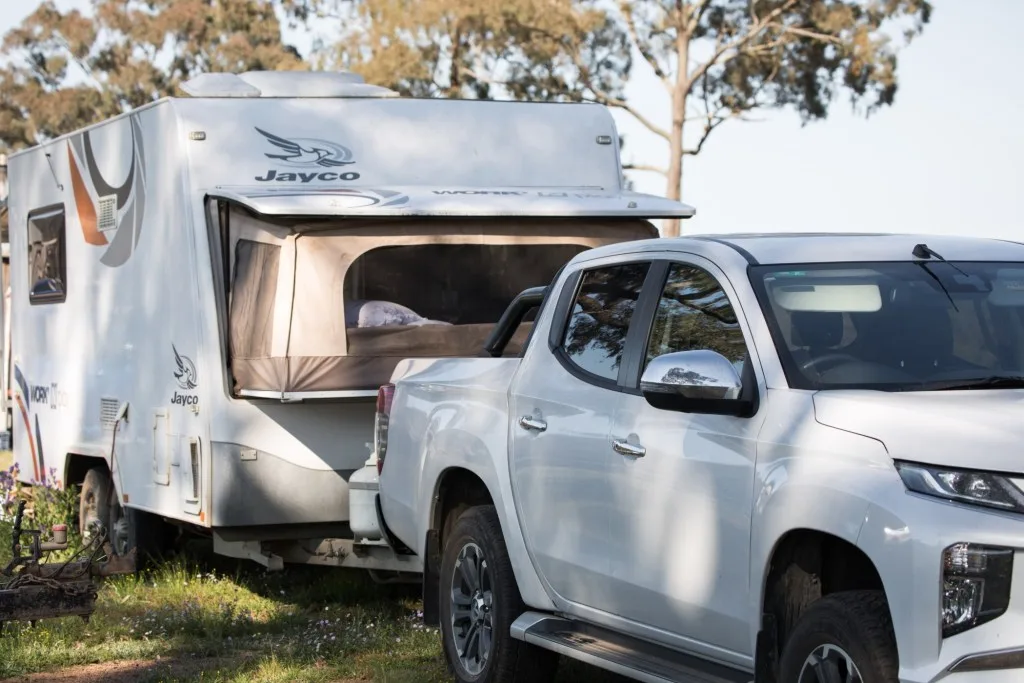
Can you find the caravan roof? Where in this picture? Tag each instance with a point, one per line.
(305, 143)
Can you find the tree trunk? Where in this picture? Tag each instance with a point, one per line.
(675, 143)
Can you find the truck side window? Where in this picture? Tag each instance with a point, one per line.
(604, 305)
(47, 264)
(694, 313)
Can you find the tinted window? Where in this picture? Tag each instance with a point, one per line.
(604, 305)
(694, 313)
(895, 326)
(47, 269)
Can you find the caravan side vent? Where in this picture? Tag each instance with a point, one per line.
(107, 218)
(108, 412)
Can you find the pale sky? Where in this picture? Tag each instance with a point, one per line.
(948, 157)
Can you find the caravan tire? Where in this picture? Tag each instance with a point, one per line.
(126, 528)
(479, 600)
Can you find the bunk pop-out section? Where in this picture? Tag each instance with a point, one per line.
(327, 309)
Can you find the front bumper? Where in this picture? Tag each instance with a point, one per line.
(907, 551)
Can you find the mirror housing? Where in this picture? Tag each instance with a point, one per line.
(699, 381)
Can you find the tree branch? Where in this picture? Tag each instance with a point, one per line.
(625, 8)
(713, 122)
(735, 45)
(644, 167)
(699, 14)
(600, 96)
(716, 119)
(814, 35)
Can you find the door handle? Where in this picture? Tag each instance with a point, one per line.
(527, 422)
(626, 448)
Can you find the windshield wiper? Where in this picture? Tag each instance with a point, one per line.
(922, 252)
(993, 382)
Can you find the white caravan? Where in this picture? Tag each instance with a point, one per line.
(208, 291)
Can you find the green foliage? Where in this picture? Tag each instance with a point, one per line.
(47, 504)
(67, 70)
(519, 49)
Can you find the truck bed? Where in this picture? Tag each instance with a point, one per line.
(458, 406)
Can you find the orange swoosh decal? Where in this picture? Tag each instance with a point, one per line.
(31, 441)
(86, 209)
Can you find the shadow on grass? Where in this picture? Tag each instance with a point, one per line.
(199, 616)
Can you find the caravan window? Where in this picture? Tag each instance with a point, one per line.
(47, 261)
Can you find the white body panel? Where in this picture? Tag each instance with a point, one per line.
(140, 323)
(675, 547)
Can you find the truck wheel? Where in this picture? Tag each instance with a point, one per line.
(843, 638)
(126, 528)
(479, 602)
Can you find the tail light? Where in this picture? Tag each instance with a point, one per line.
(385, 395)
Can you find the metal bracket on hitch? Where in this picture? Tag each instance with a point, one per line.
(31, 590)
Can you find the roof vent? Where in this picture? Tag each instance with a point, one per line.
(284, 84)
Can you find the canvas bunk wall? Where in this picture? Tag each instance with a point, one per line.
(326, 309)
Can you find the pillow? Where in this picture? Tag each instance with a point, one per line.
(382, 314)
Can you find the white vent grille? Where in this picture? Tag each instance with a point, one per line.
(108, 412)
(107, 219)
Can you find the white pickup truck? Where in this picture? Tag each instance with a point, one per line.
(786, 458)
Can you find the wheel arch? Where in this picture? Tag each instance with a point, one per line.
(456, 488)
(804, 565)
(77, 464)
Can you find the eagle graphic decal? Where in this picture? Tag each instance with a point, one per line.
(186, 372)
(308, 151)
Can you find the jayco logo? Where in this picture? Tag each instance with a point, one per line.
(308, 153)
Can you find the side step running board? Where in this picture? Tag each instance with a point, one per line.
(620, 654)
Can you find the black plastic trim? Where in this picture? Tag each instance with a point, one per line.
(394, 542)
(740, 250)
(432, 579)
(560, 316)
(639, 334)
(506, 327)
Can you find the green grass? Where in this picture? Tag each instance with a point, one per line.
(214, 619)
(200, 617)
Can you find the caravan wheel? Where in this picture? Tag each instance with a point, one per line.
(94, 502)
(126, 528)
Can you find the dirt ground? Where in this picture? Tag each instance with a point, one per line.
(131, 671)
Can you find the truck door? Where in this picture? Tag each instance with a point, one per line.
(562, 404)
(682, 513)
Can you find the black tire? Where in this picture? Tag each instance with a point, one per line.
(509, 660)
(855, 622)
(126, 528)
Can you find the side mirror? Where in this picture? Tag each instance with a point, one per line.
(700, 381)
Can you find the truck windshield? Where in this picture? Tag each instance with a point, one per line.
(899, 326)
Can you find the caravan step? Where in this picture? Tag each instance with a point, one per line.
(620, 654)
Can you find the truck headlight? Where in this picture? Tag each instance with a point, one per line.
(975, 585)
(986, 489)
